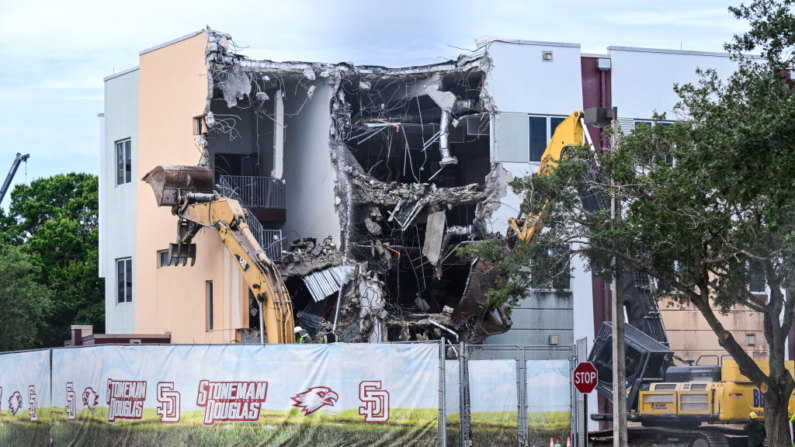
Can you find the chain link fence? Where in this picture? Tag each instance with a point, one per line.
(509, 395)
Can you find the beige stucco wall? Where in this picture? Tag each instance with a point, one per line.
(690, 336)
(173, 90)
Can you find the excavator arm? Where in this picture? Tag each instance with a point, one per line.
(568, 133)
(188, 190)
(642, 310)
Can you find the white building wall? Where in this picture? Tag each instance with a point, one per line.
(643, 79)
(118, 205)
(522, 83)
(308, 173)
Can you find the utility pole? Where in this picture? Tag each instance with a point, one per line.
(619, 366)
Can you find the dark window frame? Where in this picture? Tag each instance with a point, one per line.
(162, 259)
(210, 310)
(756, 277)
(123, 149)
(124, 280)
(536, 145)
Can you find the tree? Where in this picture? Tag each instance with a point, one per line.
(707, 203)
(55, 219)
(24, 303)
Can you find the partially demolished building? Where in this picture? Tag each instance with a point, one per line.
(407, 163)
(360, 181)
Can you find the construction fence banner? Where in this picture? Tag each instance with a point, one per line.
(548, 400)
(25, 398)
(337, 394)
(494, 401)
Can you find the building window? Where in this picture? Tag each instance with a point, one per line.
(123, 161)
(197, 125)
(209, 305)
(562, 279)
(750, 339)
(124, 276)
(756, 277)
(162, 259)
(686, 274)
(541, 130)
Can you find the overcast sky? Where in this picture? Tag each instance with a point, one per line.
(54, 53)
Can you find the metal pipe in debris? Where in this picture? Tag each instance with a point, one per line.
(261, 324)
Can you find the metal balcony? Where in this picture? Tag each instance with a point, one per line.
(263, 196)
(269, 240)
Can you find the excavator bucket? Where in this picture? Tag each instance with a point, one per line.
(168, 182)
(179, 254)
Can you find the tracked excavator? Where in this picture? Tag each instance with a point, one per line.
(688, 405)
(189, 191)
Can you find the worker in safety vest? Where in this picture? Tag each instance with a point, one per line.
(792, 421)
(302, 336)
(329, 337)
(756, 431)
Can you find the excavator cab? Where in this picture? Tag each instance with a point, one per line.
(646, 360)
(171, 185)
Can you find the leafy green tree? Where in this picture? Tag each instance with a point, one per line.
(24, 302)
(707, 203)
(55, 219)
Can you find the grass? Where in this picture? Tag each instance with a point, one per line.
(283, 428)
(501, 428)
(291, 428)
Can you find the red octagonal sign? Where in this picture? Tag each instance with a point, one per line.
(585, 377)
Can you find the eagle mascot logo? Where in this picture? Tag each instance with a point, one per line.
(15, 403)
(90, 399)
(314, 399)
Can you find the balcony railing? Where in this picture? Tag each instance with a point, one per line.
(269, 240)
(256, 192)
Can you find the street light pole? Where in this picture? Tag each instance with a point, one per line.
(619, 366)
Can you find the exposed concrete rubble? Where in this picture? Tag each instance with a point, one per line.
(306, 256)
(411, 153)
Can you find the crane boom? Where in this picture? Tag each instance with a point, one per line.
(14, 166)
(188, 190)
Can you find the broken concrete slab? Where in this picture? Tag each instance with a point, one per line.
(434, 233)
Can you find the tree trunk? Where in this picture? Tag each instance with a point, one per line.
(776, 418)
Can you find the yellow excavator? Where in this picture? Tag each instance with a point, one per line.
(671, 402)
(189, 191)
(568, 133)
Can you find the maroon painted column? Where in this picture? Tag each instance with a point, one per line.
(597, 92)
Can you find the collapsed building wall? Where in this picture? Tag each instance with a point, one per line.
(387, 172)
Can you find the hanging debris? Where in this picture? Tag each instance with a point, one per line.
(410, 150)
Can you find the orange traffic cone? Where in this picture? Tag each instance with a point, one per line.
(551, 442)
(568, 441)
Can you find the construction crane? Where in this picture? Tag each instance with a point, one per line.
(14, 166)
(188, 190)
(671, 402)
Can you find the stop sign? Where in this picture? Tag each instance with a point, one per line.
(585, 377)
